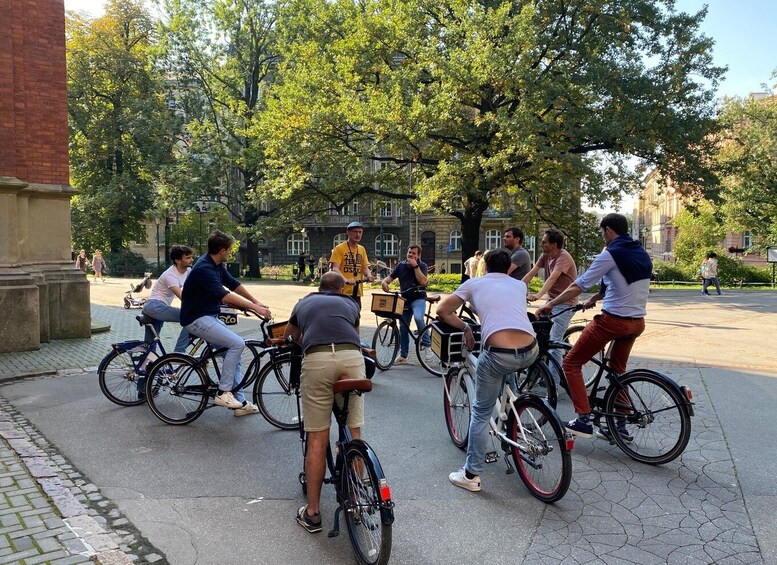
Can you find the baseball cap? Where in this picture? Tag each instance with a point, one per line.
(353, 225)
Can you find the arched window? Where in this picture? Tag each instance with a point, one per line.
(390, 245)
(493, 239)
(339, 238)
(297, 243)
(455, 240)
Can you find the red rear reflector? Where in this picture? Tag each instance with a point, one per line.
(385, 491)
(570, 443)
(688, 393)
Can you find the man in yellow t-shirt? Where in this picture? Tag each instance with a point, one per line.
(350, 260)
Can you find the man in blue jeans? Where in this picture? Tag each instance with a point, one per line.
(509, 344)
(412, 274)
(203, 292)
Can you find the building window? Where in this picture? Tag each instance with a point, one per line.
(339, 238)
(297, 243)
(387, 209)
(455, 240)
(747, 240)
(350, 209)
(493, 239)
(390, 245)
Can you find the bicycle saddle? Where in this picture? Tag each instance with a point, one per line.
(144, 320)
(350, 385)
(433, 299)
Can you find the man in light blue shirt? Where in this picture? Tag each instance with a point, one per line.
(623, 272)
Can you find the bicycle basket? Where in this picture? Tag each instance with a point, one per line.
(542, 329)
(388, 305)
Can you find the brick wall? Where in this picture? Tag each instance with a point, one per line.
(33, 95)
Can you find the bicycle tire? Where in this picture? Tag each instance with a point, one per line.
(457, 409)
(385, 342)
(361, 486)
(426, 355)
(545, 466)
(119, 379)
(249, 354)
(556, 371)
(276, 399)
(537, 380)
(177, 390)
(661, 428)
(591, 368)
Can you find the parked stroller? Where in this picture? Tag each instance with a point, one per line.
(133, 301)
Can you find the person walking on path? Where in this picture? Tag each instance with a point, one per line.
(471, 266)
(81, 261)
(326, 324)
(520, 258)
(509, 344)
(560, 272)
(350, 260)
(203, 292)
(709, 273)
(623, 273)
(301, 266)
(98, 264)
(412, 274)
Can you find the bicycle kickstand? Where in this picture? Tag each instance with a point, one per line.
(335, 531)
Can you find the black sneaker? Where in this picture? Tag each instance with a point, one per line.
(604, 433)
(581, 427)
(310, 523)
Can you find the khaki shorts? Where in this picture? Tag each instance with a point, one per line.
(320, 371)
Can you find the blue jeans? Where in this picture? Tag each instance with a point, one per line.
(560, 325)
(413, 310)
(162, 313)
(216, 333)
(708, 282)
(491, 371)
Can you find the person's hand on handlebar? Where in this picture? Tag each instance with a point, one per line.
(532, 297)
(543, 310)
(384, 285)
(261, 310)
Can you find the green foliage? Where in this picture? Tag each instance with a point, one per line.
(701, 229)
(666, 271)
(193, 228)
(126, 263)
(121, 132)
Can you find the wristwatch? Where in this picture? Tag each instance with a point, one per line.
(415, 267)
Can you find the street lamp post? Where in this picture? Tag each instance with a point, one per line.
(158, 221)
(382, 244)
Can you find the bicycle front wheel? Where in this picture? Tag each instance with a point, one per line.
(538, 380)
(655, 425)
(543, 462)
(426, 355)
(119, 379)
(275, 397)
(385, 342)
(177, 389)
(456, 404)
(361, 488)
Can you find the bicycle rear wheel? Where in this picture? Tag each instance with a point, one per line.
(119, 379)
(363, 487)
(543, 461)
(276, 399)
(655, 416)
(385, 342)
(538, 380)
(177, 389)
(426, 356)
(456, 406)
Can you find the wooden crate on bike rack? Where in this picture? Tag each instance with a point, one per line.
(276, 330)
(447, 341)
(388, 305)
(228, 315)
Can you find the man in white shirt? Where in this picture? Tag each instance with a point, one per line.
(167, 287)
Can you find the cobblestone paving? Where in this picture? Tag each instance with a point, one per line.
(50, 513)
(619, 511)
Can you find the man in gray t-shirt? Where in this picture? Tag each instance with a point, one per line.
(520, 259)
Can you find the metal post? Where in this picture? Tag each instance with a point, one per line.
(158, 221)
(382, 243)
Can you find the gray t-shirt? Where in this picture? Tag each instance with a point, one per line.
(326, 317)
(522, 260)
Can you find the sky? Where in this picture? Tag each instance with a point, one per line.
(744, 31)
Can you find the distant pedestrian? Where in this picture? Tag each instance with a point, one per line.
(481, 270)
(709, 273)
(98, 264)
(312, 266)
(471, 266)
(301, 266)
(81, 261)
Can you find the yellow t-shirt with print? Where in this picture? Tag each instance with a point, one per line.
(351, 260)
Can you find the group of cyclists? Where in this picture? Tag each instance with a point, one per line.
(326, 326)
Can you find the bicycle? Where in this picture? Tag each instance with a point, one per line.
(362, 492)
(650, 407)
(526, 426)
(122, 371)
(180, 387)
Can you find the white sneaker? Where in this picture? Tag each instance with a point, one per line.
(247, 409)
(227, 400)
(459, 478)
(428, 354)
(401, 361)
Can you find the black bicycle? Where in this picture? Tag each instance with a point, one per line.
(362, 491)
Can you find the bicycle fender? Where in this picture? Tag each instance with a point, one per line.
(386, 506)
(670, 382)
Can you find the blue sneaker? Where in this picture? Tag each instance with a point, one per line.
(581, 427)
(604, 433)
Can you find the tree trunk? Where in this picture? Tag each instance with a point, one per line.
(471, 218)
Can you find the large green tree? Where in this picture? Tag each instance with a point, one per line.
(220, 56)
(492, 103)
(748, 161)
(121, 131)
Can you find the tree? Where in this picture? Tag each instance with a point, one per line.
(701, 228)
(492, 102)
(748, 167)
(220, 54)
(121, 132)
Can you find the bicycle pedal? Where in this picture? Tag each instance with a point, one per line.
(492, 457)
(510, 469)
